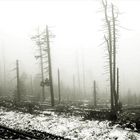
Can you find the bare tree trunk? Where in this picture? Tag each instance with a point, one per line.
(59, 94)
(118, 85)
(32, 91)
(114, 57)
(18, 83)
(94, 93)
(109, 42)
(42, 70)
(50, 67)
(38, 40)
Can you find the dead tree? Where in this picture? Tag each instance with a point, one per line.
(110, 39)
(18, 96)
(32, 91)
(39, 43)
(118, 85)
(49, 66)
(42, 71)
(94, 94)
(109, 48)
(45, 57)
(59, 90)
(114, 57)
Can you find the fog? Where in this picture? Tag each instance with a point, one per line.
(78, 29)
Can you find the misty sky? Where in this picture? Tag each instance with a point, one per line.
(78, 26)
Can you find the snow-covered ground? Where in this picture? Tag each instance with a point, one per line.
(68, 127)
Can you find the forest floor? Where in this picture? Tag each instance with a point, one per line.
(69, 126)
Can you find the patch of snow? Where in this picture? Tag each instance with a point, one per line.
(70, 127)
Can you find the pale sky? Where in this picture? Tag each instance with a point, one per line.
(78, 29)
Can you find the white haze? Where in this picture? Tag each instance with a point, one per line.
(77, 26)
